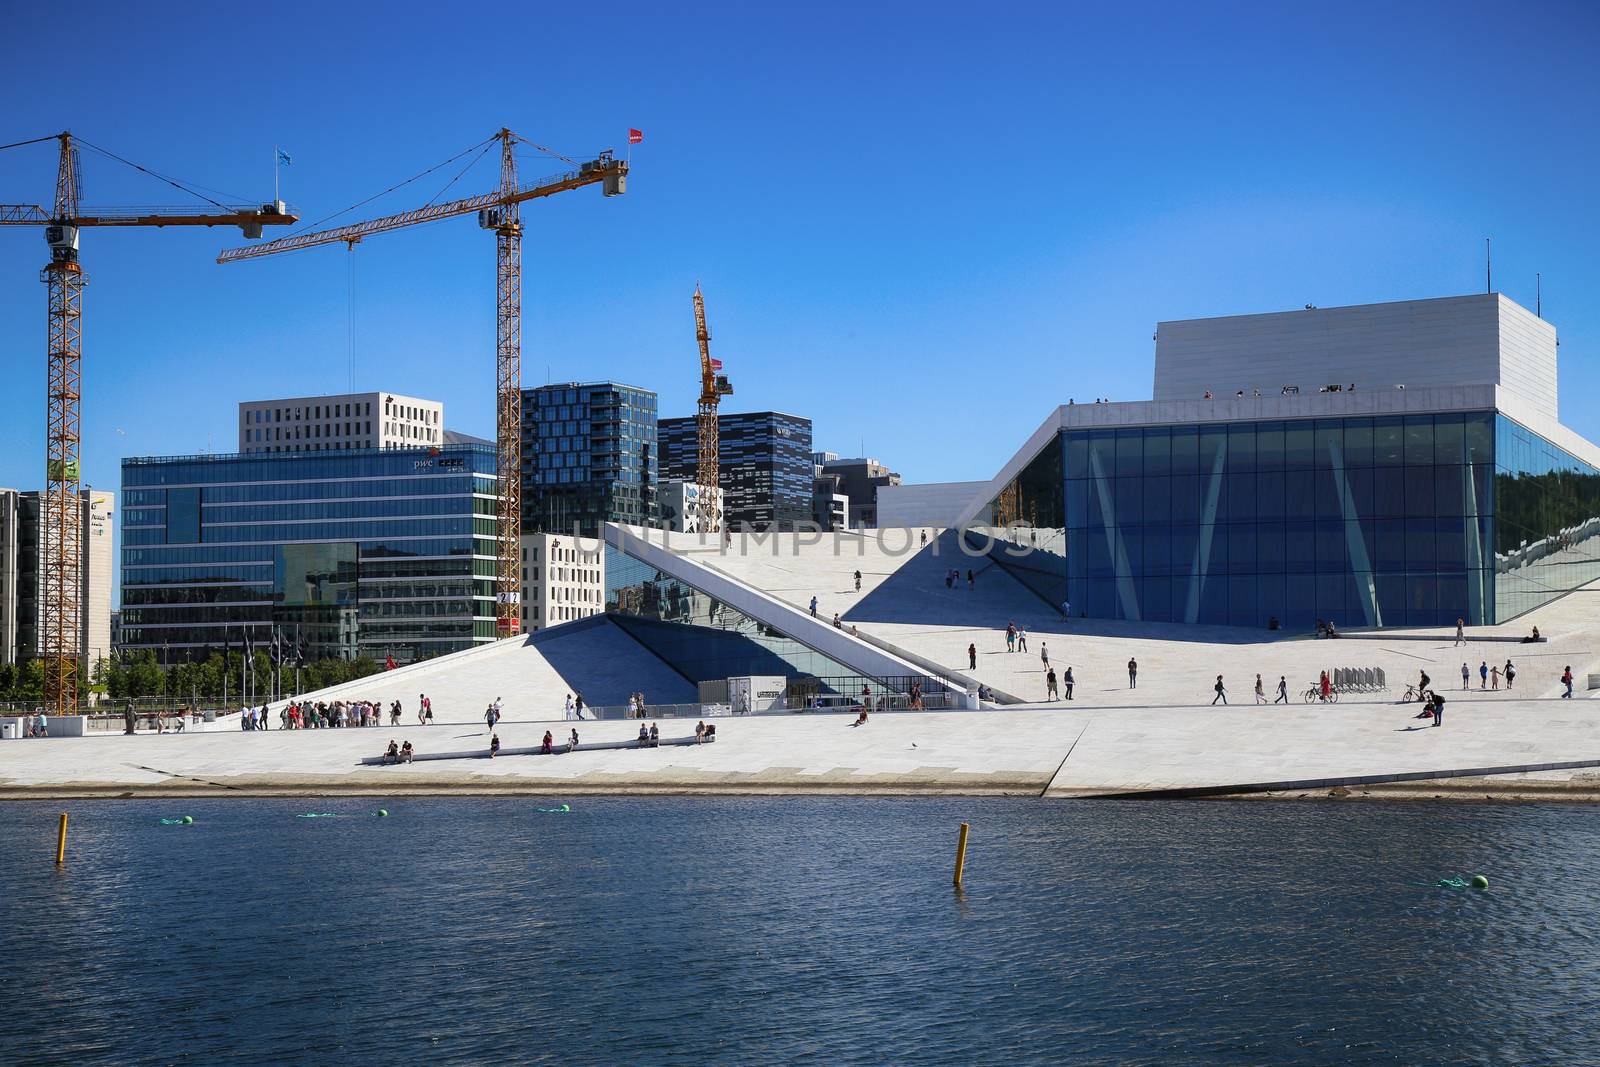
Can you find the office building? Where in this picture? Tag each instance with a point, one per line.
(341, 423)
(563, 579)
(764, 468)
(830, 508)
(588, 457)
(859, 480)
(21, 591)
(374, 552)
(1384, 465)
(687, 507)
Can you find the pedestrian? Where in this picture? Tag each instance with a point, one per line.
(924, 536)
(1222, 693)
(489, 717)
(1466, 676)
(1422, 685)
(1022, 639)
(1283, 691)
(1438, 709)
(1050, 685)
(1066, 610)
(566, 708)
(1011, 637)
(1133, 673)
(1483, 674)
(969, 579)
(1494, 677)
(1461, 632)
(1324, 687)
(1566, 680)
(422, 709)
(1044, 654)
(813, 607)
(972, 657)
(1261, 695)
(858, 581)
(1511, 674)
(1067, 683)
(949, 577)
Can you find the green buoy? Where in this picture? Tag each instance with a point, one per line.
(188, 820)
(1480, 882)
(385, 811)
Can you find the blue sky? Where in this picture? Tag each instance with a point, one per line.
(920, 226)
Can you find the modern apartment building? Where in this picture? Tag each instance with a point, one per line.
(343, 423)
(563, 579)
(588, 457)
(859, 480)
(764, 469)
(376, 552)
(20, 575)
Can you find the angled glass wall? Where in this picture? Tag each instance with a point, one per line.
(1024, 529)
(705, 639)
(1547, 519)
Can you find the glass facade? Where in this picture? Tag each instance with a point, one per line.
(1412, 520)
(705, 639)
(350, 553)
(588, 457)
(764, 465)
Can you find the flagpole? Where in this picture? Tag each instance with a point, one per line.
(274, 174)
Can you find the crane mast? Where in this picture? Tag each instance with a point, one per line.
(713, 387)
(60, 640)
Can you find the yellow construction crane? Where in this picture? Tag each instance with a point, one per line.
(713, 387)
(61, 519)
(497, 211)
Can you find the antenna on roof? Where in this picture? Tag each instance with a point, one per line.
(1538, 295)
(1488, 268)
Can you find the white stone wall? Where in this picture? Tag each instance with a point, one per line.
(935, 504)
(563, 579)
(1465, 340)
(342, 422)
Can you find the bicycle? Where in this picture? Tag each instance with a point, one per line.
(1314, 694)
(1412, 695)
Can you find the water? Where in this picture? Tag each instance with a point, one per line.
(815, 930)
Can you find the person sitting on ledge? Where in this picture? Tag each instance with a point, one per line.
(405, 752)
(549, 744)
(494, 745)
(861, 720)
(392, 753)
(1272, 623)
(1322, 628)
(644, 735)
(700, 732)
(655, 736)
(1333, 631)
(1532, 637)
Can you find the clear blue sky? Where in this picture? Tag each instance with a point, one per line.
(921, 226)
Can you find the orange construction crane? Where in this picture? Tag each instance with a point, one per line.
(61, 522)
(713, 387)
(497, 211)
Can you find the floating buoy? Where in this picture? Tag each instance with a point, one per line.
(382, 812)
(188, 820)
(1480, 882)
(562, 810)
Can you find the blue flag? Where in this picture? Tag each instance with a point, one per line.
(283, 157)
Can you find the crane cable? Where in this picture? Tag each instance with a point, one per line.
(327, 218)
(175, 183)
(460, 174)
(36, 140)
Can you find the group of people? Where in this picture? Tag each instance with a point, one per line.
(1016, 638)
(574, 706)
(1488, 677)
(636, 706)
(323, 715)
(953, 575)
(397, 754)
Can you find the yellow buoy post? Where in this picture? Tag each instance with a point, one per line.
(961, 852)
(61, 842)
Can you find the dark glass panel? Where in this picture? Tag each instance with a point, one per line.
(1241, 448)
(1157, 450)
(1130, 452)
(1298, 446)
(1129, 501)
(1388, 441)
(1389, 492)
(1300, 547)
(1449, 489)
(1420, 547)
(1300, 494)
(1419, 491)
(1419, 440)
(1269, 495)
(1270, 557)
(1478, 437)
(1448, 446)
(1241, 496)
(1329, 443)
(1157, 498)
(1269, 446)
(1357, 443)
(1185, 450)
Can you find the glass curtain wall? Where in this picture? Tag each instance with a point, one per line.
(1546, 520)
(1026, 529)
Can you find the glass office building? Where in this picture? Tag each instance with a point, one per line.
(1385, 520)
(764, 466)
(588, 457)
(351, 553)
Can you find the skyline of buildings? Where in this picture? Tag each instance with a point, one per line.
(588, 457)
(764, 465)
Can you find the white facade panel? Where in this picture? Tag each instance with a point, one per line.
(937, 505)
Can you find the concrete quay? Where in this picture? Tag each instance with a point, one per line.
(1501, 748)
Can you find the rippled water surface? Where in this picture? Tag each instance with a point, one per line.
(821, 930)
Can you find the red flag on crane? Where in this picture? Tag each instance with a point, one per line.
(716, 364)
(635, 136)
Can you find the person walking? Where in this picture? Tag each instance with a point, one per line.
(972, 657)
(1438, 709)
(969, 579)
(1011, 637)
(1066, 610)
(813, 607)
(1511, 674)
(1466, 676)
(1050, 685)
(1044, 654)
(1461, 632)
(1222, 692)
(1283, 690)
(1483, 674)
(1067, 683)
(1566, 680)
(1324, 687)
(1494, 678)
(1022, 639)
(1261, 695)
(1133, 673)
(566, 709)
(858, 581)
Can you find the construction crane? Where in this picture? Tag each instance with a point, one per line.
(713, 387)
(60, 629)
(497, 211)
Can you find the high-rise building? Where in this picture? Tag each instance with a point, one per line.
(588, 457)
(688, 507)
(563, 579)
(859, 480)
(343, 423)
(375, 552)
(20, 575)
(764, 469)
